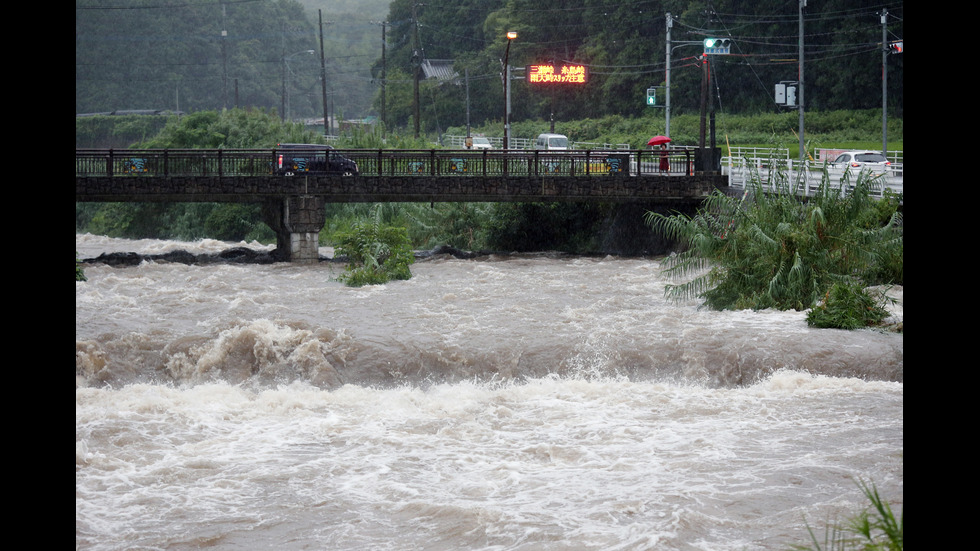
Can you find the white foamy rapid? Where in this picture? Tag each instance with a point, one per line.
(516, 402)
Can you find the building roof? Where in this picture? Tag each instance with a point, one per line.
(440, 69)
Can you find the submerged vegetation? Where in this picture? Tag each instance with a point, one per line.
(376, 253)
(79, 273)
(770, 248)
(848, 306)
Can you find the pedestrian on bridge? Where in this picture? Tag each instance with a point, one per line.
(664, 163)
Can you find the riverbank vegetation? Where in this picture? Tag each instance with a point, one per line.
(775, 249)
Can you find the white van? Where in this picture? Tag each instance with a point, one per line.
(552, 142)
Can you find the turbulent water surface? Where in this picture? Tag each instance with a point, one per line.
(505, 402)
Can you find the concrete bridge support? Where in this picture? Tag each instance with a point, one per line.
(297, 221)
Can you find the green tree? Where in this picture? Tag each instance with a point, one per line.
(231, 129)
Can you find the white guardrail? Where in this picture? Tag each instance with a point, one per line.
(775, 167)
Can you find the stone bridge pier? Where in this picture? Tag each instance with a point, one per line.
(297, 221)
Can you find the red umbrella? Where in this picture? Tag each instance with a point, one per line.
(658, 140)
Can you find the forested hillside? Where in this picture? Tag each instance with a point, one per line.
(142, 54)
(147, 54)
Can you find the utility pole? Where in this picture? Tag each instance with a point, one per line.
(670, 24)
(884, 81)
(416, 67)
(282, 74)
(510, 38)
(800, 92)
(224, 58)
(384, 80)
(323, 80)
(705, 76)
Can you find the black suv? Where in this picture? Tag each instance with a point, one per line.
(305, 158)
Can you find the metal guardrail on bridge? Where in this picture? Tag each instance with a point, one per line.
(386, 162)
(808, 177)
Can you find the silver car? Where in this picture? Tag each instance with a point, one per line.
(479, 142)
(873, 160)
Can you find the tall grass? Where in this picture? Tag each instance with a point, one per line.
(874, 529)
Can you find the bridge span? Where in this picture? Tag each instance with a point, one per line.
(294, 204)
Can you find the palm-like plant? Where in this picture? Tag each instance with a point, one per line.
(771, 248)
(376, 253)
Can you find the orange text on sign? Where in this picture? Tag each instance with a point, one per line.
(563, 74)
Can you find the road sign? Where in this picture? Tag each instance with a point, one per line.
(557, 74)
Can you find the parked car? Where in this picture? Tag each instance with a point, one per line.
(873, 160)
(479, 142)
(304, 158)
(552, 142)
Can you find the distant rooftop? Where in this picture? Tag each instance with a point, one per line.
(439, 69)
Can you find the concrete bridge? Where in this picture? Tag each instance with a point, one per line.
(294, 197)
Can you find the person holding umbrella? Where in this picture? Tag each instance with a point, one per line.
(662, 141)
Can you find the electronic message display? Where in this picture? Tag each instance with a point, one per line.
(557, 74)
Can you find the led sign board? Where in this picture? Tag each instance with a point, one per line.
(557, 74)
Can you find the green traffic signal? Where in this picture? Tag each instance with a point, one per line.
(717, 45)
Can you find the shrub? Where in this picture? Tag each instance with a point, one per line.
(376, 253)
(79, 273)
(848, 306)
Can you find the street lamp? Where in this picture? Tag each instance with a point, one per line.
(283, 65)
(510, 36)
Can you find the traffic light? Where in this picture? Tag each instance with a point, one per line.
(717, 45)
(651, 96)
(896, 47)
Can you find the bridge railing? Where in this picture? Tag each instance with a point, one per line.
(172, 162)
(387, 162)
(516, 163)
